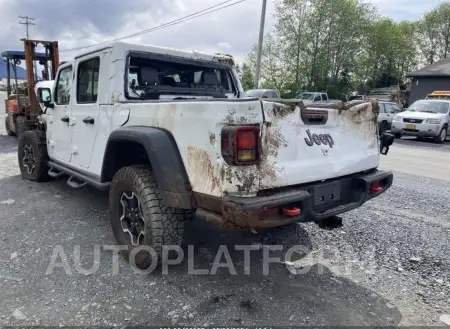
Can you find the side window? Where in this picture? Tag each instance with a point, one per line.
(324, 97)
(274, 94)
(62, 91)
(317, 98)
(390, 108)
(382, 107)
(87, 81)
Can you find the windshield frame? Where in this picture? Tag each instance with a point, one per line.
(211, 64)
(429, 102)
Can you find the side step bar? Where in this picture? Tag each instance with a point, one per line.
(79, 176)
(72, 182)
(55, 174)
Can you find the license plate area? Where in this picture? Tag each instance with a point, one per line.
(327, 193)
(410, 126)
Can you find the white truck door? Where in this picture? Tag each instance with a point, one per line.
(85, 109)
(57, 118)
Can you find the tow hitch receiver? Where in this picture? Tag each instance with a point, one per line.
(386, 140)
(330, 223)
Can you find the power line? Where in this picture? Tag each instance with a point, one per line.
(28, 21)
(174, 22)
(171, 23)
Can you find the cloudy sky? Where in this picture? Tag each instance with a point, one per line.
(76, 23)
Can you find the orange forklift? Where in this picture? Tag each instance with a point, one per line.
(21, 104)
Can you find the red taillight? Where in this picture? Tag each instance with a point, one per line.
(246, 139)
(240, 145)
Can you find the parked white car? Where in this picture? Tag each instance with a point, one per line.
(388, 110)
(424, 118)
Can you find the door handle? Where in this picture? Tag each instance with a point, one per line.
(88, 120)
(65, 119)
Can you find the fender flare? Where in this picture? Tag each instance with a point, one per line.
(165, 160)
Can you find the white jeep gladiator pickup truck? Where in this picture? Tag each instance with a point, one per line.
(170, 133)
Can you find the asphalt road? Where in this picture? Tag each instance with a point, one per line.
(388, 264)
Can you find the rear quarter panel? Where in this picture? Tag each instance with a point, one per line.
(196, 127)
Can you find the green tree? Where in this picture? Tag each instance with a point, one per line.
(247, 77)
(434, 33)
(342, 45)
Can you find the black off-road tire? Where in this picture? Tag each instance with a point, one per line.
(7, 128)
(163, 225)
(33, 141)
(21, 125)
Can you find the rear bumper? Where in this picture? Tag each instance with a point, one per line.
(267, 211)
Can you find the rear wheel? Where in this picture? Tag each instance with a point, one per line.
(8, 129)
(21, 126)
(32, 155)
(139, 217)
(442, 135)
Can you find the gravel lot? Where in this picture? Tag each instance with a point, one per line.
(388, 265)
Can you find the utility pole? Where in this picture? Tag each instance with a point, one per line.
(27, 22)
(260, 43)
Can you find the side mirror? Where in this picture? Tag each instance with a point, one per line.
(386, 140)
(48, 104)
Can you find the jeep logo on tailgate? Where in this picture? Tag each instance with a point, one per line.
(324, 139)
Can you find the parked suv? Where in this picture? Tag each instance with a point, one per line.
(424, 118)
(168, 134)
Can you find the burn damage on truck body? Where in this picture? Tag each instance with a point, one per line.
(282, 126)
(217, 186)
(200, 122)
(357, 121)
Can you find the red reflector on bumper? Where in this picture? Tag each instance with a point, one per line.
(291, 212)
(375, 188)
